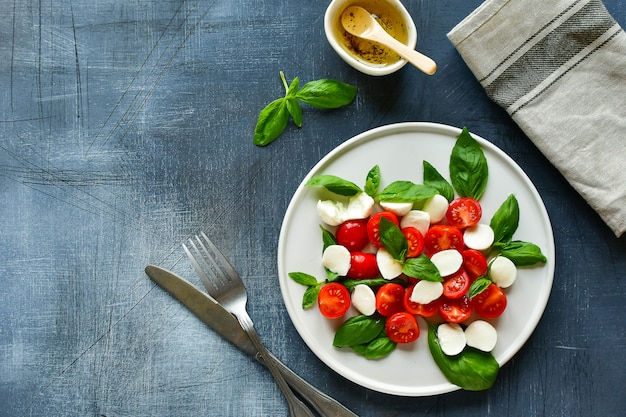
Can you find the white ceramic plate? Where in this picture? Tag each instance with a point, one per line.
(400, 150)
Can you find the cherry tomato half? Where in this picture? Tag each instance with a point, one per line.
(456, 286)
(455, 310)
(464, 212)
(373, 226)
(418, 309)
(362, 266)
(333, 300)
(402, 327)
(416, 241)
(490, 303)
(352, 234)
(441, 237)
(390, 299)
(475, 263)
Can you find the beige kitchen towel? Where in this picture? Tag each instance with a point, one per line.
(558, 67)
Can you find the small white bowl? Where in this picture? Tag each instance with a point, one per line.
(333, 29)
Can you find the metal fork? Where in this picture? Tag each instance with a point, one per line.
(224, 284)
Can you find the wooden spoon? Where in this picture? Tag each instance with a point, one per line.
(359, 22)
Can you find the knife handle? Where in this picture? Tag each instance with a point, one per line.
(323, 404)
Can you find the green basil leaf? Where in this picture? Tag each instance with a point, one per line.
(335, 184)
(293, 88)
(407, 192)
(505, 220)
(328, 238)
(478, 286)
(472, 370)
(468, 167)
(358, 330)
(303, 278)
(327, 94)
(310, 296)
(523, 253)
(295, 110)
(271, 123)
(331, 276)
(434, 179)
(378, 348)
(372, 181)
(393, 239)
(372, 282)
(422, 268)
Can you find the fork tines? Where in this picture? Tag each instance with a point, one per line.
(212, 267)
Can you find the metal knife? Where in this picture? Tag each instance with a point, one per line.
(219, 319)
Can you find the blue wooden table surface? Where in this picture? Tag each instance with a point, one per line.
(126, 127)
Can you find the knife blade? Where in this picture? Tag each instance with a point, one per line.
(203, 306)
(219, 319)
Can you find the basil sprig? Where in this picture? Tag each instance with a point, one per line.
(468, 167)
(323, 94)
(312, 288)
(504, 223)
(472, 369)
(366, 336)
(397, 245)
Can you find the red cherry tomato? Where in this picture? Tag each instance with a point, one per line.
(373, 226)
(456, 286)
(441, 237)
(352, 234)
(455, 310)
(464, 212)
(362, 266)
(416, 241)
(490, 303)
(390, 299)
(418, 309)
(475, 263)
(333, 300)
(402, 327)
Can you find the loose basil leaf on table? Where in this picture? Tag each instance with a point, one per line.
(324, 94)
(468, 167)
(272, 122)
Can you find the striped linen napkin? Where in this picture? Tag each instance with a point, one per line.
(558, 67)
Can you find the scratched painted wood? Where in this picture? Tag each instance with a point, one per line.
(126, 126)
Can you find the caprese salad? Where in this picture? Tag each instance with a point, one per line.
(419, 250)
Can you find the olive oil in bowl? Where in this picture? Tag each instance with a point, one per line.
(369, 52)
